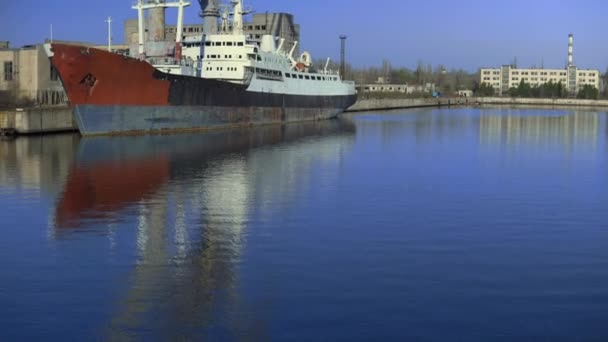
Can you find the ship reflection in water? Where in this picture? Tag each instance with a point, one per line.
(405, 225)
(188, 199)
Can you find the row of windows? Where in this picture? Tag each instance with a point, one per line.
(536, 79)
(220, 56)
(536, 73)
(224, 44)
(311, 77)
(200, 29)
(221, 69)
(257, 27)
(402, 89)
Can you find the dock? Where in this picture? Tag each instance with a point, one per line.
(369, 104)
(37, 120)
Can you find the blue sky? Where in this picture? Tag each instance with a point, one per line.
(459, 34)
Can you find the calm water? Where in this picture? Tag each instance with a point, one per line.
(463, 224)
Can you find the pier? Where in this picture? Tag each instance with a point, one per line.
(363, 105)
(36, 120)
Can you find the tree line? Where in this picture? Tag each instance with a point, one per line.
(446, 81)
(546, 90)
(450, 81)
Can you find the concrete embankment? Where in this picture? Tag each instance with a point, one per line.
(37, 120)
(388, 104)
(538, 102)
(363, 105)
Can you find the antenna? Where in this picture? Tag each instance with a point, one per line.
(109, 21)
(51, 33)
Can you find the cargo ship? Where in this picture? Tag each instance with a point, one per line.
(234, 82)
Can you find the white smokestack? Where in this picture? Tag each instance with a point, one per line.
(570, 50)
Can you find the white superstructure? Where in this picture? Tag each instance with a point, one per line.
(231, 55)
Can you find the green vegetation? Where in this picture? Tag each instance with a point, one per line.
(446, 81)
(547, 90)
(588, 92)
(485, 90)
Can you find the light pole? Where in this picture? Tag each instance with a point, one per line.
(343, 56)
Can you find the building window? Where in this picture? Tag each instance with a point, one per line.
(8, 71)
(54, 74)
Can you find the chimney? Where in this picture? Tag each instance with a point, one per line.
(156, 23)
(570, 50)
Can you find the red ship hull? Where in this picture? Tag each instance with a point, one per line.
(92, 76)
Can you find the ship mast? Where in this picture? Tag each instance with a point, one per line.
(237, 20)
(180, 28)
(152, 4)
(140, 27)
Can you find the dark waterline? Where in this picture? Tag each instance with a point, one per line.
(432, 224)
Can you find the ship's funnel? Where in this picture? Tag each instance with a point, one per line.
(210, 13)
(268, 43)
(570, 50)
(156, 23)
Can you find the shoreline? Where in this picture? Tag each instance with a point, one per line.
(364, 105)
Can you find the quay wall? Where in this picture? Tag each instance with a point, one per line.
(538, 102)
(38, 120)
(387, 104)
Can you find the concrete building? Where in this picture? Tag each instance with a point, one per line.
(465, 93)
(4, 44)
(395, 88)
(26, 77)
(573, 78)
(278, 24)
(507, 77)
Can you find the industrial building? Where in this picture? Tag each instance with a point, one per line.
(573, 78)
(27, 77)
(395, 88)
(278, 24)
